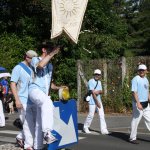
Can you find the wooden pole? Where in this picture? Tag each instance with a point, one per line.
(105, 76)
(123, 69)
(78, 84)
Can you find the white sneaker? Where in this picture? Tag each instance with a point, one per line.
(86, 130)
(49, 138)
(105, 133)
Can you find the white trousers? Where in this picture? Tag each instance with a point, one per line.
(28, 118)
(2, 117)
(44, 118)
(88, 121)
(136, 117)
(22, 118)
(29, 125)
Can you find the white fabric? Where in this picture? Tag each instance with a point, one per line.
(46, 85)
(38, 141)
(29, 126)
(136, 117)
(44, 119)
(2, 117)
(27, 116)
(22, 118)
(67, 16)
(88, 121)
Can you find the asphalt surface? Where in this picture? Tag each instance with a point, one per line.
(118, 125)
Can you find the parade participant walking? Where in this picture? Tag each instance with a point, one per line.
(38, 93)
(140, 98)
(20, 78)
(95, 102)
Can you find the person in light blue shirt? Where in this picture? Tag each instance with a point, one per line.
(91, 85)
(39, 94)
(140, 85)
(140, 99)
(43, 76)
(95, 102)
(20, 78)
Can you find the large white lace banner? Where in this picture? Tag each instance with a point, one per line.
(67, 16)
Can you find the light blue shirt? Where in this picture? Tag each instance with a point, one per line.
(91, 85)
(141, 86)
(21, 78)
(42, 77)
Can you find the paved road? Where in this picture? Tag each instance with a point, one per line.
(118, 125)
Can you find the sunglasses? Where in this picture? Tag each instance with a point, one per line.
(97, 74)
(141, 70)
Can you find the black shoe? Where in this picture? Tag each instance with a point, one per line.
(134, 141)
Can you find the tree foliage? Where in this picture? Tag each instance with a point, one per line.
(137, 14)
(13, 48)
(104, 33)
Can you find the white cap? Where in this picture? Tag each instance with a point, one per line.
(31, 53)
(97, 71)
(142, 67)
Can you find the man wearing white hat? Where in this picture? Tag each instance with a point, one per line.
(21, 75)
(140, 105)
(95, 102)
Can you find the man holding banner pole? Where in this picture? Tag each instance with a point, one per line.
(38, 93)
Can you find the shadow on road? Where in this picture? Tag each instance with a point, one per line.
(125, 136)
(120, 135)
(145, 140)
